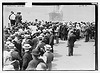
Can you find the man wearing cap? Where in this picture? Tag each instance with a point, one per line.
(27, 57)
(48, 56)
(12, 18)
(35, 61)
(18, 18)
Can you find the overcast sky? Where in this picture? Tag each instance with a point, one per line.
(70, 12)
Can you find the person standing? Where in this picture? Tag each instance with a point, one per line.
(27, 57)
(87, 33)
(48, 55)
(71, 41)
(18, 18)
(35, 61)
(51, 41)
(12, 18)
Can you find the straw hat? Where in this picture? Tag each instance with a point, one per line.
(27, 36)
(11, 45)
(47, 47)
(26, 46)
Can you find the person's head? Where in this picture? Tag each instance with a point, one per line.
(12, 12)
(18, 12)
(35, 53)
(26, 47)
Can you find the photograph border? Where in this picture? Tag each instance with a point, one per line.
(60, 3)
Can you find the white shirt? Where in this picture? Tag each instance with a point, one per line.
(12, 17)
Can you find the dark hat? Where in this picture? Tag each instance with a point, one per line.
(18, 12)
(35, 52)
(12, 12)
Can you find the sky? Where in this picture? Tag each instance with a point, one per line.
(70, 12)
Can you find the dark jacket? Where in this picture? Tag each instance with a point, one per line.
(27, 57)
(51, 39)
(18, 18)
(34, 42)
(71, 39)
(46, 39)
(39, 46)
(33, 63)
(15, 55)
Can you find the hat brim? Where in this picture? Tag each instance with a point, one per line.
(26, 47)
(35, 54)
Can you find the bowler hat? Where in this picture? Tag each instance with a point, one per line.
(18, 12)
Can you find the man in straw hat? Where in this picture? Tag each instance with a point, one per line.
(48, 56)
(27, 57)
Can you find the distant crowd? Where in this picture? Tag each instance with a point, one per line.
(29, 45)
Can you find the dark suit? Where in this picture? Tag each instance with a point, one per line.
(87, 32)
(18, 18)
(15, 56)
(18, 46)
(51, 41)
(33, 63)
(39, 46)
(27, 57)
(34, 42)
(71, 40)
(46, 39)
(50, 57)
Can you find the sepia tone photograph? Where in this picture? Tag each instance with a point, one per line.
(49, 36)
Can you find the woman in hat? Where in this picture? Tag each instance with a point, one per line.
(27, 57)
(35, 61)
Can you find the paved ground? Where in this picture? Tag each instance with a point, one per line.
(83, 59)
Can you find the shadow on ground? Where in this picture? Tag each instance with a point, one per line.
(57, 55)
(75, 55)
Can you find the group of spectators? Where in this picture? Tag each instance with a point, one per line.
(29, 45)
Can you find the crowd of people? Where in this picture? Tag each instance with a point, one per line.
(29, 45)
